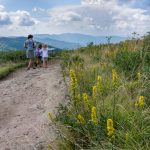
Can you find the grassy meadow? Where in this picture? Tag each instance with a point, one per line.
(10, 61)
(109, 97)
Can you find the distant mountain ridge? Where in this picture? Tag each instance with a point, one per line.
(14, 43)
(61, 41)
(80, 39)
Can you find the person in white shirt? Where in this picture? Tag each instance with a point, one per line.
(45, 55)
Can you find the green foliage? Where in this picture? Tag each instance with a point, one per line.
(128, 62)
(10, 61)
(8, 68)
(13, 56)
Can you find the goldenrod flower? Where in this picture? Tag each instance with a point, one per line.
(73, 80)
(49, 146)
(99, 84)
(85, 98)
(81, 119)
(141, 101)
(139, 76)
(94, 116)
(102, 66)
(127, 137)
(110, 128)
(50, 116)
(114, 77)
(94, 91)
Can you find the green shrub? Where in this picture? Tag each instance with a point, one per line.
(128, 62)
(13, 56)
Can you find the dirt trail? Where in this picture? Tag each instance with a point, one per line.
(25, 99)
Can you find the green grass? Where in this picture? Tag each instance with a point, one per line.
(8, 68)
(10, 61)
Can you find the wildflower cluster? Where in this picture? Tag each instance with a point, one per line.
(140, 102)
(94, 116)
(85, 98)
(99, 84)
(73, 79)
(139, 76)
(114, 78)
(81, 119)
(94, 91)
(110, 128)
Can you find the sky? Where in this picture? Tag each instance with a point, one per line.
(95, 17)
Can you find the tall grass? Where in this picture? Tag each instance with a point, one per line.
(109, 98)
(10, 61)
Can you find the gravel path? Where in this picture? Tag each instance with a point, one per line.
(25, 99)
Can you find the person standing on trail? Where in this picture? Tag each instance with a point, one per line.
(38, 53)
(30, 45)
(45, 55)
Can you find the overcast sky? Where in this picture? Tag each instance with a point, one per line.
(96, 17)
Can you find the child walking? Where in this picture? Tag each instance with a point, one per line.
(45, 55)
(39, 54)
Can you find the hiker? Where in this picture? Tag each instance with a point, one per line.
(38, 54)
(45, 55)
(30, 45)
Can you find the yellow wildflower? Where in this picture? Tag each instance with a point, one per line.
(94, 116)
(99, 84)
(73, 80)
(49, 146)
(85, 98)
(141, 101)
(94, 91)
(102, 66)
(114, 77)
(81, 119)
(139, 76)
(127, 137)
(50, 116)
(110, 127)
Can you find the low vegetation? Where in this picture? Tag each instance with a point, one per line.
(108, 103)
(10, 61)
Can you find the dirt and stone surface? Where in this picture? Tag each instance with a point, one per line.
(26, 97)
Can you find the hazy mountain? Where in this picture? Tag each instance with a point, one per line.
(81, 39)
(45, 38)
(11, 43)
(62, 41)
(14, 43)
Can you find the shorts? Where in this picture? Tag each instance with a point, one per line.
(30, 54)
(45, 59)
(39, 57)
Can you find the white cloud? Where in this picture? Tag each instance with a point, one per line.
(38, 9)
(23, 18)
(2, 8)
(4, 17)
(100, 17)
